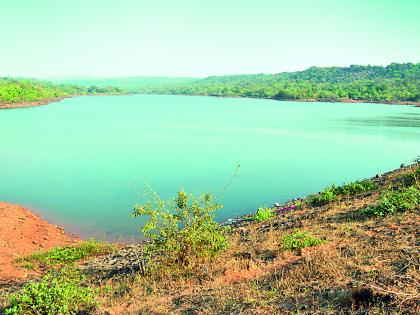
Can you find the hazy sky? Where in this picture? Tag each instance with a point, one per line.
(43, 38)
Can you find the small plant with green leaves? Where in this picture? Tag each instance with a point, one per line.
(182, 230)
(395, 201)
(70, 254)
(356, 187)
(324, 197)
(62, 292)
(413, 178)
(331, 193)
(299, 240)
(263, 214)
(28, 265)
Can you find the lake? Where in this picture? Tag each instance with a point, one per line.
(81, 162)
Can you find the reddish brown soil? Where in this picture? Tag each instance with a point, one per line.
(23, 233)
(30, 104)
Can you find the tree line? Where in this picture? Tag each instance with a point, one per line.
(395, 82)
(26, 90)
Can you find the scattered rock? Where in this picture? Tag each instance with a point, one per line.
(125, 260)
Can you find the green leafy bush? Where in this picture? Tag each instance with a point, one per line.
(356, 187)
(183, 229)
(56, 293)
(324, 197)
(299, 240)
(394, 201)
(263, 214)
(69, 254)
(331, 193)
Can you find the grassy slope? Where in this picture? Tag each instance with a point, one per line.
(363, 264)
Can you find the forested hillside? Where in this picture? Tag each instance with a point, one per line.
(393, 83)
(26, 90)
(129, 84)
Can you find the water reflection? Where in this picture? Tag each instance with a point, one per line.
(411, 120)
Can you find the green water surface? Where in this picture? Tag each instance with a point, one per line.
(79, 162)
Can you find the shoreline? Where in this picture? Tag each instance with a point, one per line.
(305, 100)
(34, 103)
(50, 100)
(309, 100)
(351, 246)
(22, 233)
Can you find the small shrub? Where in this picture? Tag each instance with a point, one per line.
(331, 193)
(299, 240)
(356, 187)
(56, 293)
(391, 202)
(263, 214)
(28, 265)
(70, 254)
(324, 197)
(183, 229)
(412, 178)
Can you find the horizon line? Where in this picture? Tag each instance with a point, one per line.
(88, 76)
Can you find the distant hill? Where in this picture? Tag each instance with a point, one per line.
(393, 83)
(131, 84)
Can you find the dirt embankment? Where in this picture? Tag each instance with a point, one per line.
(23, 233)
(31, 104)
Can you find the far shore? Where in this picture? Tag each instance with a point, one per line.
(32, 104)
(49, 101)
(303, 100)
(306, 100)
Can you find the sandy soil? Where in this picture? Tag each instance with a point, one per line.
(23, 233)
